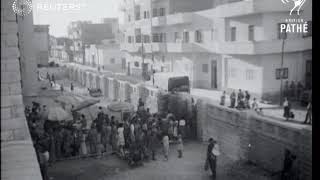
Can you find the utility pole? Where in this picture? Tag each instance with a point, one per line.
(282, 70)
(152, 56)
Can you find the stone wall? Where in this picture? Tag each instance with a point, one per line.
(249, 137)
(18, 158)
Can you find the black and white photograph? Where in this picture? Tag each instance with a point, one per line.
(156, 89)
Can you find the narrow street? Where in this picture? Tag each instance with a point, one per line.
(190, 167)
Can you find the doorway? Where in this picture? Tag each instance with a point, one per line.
(214, 74)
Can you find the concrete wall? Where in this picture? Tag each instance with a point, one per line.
(41, 45)
(248, 137)
(18, 157)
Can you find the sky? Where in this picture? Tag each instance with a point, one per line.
(58, 20)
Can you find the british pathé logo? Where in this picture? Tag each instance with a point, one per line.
(297, 5)
(22, 7)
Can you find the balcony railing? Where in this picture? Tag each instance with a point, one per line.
(180, 18)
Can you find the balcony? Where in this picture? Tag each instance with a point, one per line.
(180, 18)
(185, 48)
(159, 21)
(132, 48)
(246, 7)
(261, 47)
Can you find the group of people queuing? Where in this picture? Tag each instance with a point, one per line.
(240, 100)
(139, 137)
(293, 91)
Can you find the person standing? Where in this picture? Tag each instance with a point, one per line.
(211, 160)
(71, 87)
(53, 79)
(153, 143)
(223, 98)
(83, 146)
(61, 88)
(247, 99)
(255, 105)
(299, 90)
(286, 109)
(121, 141)
(308, 119)
(233, 99)
(180, 146)
(292, 89)
(165, 142)
(182, 127)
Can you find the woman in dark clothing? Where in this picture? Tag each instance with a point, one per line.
(211, 160)
(286, 109)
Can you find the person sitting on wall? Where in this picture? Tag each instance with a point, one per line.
(286, 109)
(223, 98)
(255, 105)
(233, 99)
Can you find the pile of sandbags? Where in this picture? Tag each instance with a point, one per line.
(163, 100)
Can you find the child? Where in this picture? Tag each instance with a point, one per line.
(180, 146)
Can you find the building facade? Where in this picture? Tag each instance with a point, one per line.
(220, 45)
(106, 56)
(42, 44)
(18, 79)
(84, 33)
(60, 49)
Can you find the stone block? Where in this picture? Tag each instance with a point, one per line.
(11, 124)
(9, 53)
(7, 135)
(10, 77)
(9, 28)
(10, 65)
(5, 113)
(11, 40)
(17, 111)
(15, 88)
(5, 89)
(21, 134)
(8, 101)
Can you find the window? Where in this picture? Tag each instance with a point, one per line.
(154, 12)
(159, 37)
(162, 12)
(282, 73)
(136, 64)
(137, 16)
(251, 33)
(198, 36)
(212, 34)
(205, 68)
(145, 14)
(129, 39)
(112, 61)
(146, 38)
(249, 74)
(233, 34)
(309, 33)
(281, 35)
(162, 37)
(176, 36)
(186, 37)
(138, 38)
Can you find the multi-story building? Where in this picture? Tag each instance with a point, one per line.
(84, 33)
(60, 49)
(106, 56)
(220, 45)
(41, 44)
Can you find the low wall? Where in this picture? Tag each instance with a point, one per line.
(249, 137)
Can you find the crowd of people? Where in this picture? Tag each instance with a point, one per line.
(240, 100)
(135, 139)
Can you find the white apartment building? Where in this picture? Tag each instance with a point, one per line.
(106, 56)
(222, 45)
